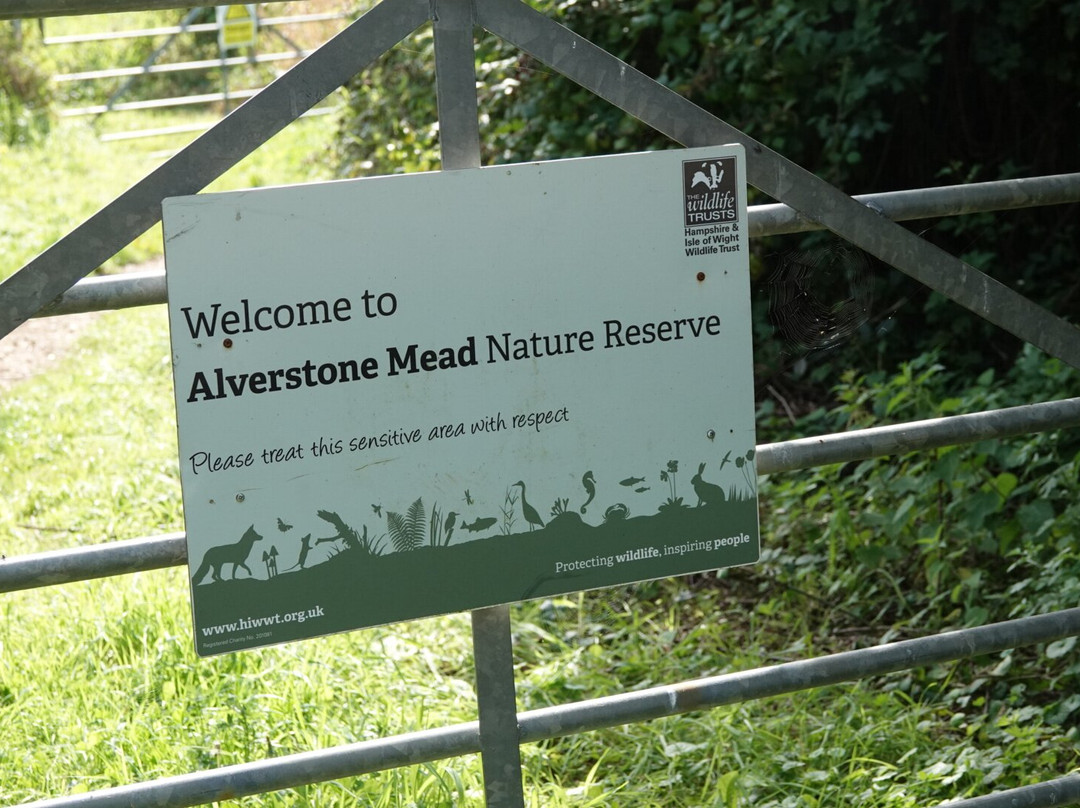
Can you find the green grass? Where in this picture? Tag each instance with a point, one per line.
(99, 684)
(47, 191)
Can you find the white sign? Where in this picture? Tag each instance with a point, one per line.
(408, 395)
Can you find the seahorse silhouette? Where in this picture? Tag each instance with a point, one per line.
(590, 488)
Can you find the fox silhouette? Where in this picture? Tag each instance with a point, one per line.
(235, 554)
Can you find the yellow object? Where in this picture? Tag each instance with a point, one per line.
(237, 26)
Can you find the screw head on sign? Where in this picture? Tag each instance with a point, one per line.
(711, 434)
(701, 276)
(239, 497)
(227, 342)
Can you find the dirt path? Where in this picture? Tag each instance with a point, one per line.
(38, 344)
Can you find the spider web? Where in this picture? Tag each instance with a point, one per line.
(819, 297)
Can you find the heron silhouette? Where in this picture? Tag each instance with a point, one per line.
(528, 511)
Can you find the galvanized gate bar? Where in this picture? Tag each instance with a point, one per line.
(933, 433)
(109, 292)
(211, 155)
(287, 771)
(496, 696)
(1052, 793)
(230, 782)
(96, 561)
(149, 61)
(177, 67)
(199, 28)
(144, 289)
(671, 114)
(455, 84)
(924, 203)
(121, 557)
(28, 9)
(791, 677)
(459, 145)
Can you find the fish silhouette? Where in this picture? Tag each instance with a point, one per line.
(479, 524)
(631, 481)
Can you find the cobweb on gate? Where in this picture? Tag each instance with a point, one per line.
(821, 296)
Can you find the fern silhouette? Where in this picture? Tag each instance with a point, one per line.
(407, 532)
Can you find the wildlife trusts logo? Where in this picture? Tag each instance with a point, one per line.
(709, 192)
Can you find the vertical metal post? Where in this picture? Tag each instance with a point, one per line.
(500, 734)
(455, 83)
(459, 138)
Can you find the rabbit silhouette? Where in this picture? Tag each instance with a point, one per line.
(707, 493)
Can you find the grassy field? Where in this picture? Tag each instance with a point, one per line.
(46, 191)
(100, 685)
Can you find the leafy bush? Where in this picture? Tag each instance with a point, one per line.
(920, 543)
(870, 95)
(25, 93)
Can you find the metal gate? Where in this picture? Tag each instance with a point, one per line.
(154, 64)
(50, 285)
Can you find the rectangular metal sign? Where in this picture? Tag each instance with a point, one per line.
(404, 396)
(237, 26)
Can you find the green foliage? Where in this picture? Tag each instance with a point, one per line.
(26, 95)
(99, 685)
(40, 203)
(952, 537)
(390, 127)
(870, 95)
(124, 52)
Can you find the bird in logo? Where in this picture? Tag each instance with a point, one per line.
(712, 181)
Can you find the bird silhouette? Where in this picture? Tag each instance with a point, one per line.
(528, 511)
(448, 525)
(726, 460)
(590, 488)
(282, 526)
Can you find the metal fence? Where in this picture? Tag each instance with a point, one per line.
(154, 65)
(49, 284)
